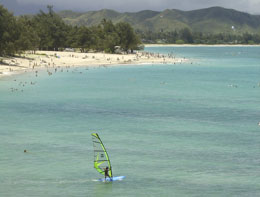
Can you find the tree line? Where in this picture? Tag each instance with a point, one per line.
(185, 36)
(47, 31)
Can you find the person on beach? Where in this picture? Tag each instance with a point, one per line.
(106, 173)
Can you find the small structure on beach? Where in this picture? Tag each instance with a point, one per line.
(69, 50)
(118, 50)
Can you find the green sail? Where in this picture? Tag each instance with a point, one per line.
(101, 159)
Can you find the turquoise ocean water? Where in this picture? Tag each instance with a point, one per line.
(173, 130)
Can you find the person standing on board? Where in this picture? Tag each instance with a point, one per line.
(106, 173)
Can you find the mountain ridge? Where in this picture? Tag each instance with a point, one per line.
(206, 20)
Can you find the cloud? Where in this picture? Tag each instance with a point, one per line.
(18, 7)
(251, 6)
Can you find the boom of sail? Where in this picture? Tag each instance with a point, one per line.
(101, 159)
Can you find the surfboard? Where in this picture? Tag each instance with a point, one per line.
(115, 178)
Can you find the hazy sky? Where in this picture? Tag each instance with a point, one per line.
(32, 6)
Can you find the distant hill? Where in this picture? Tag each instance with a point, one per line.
(209, 20)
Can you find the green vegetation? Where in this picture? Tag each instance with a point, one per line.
(108, 30)
(213, 20)
(214, 25)
(185, 36)
(9, 33)
(47, 31)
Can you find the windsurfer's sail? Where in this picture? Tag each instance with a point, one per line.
(101, 159)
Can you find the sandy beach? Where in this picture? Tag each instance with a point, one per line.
(52, 59)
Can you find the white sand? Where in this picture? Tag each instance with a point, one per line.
(51, 59)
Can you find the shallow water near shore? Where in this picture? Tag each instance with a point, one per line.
(173, 130)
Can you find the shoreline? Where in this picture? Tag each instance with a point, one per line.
(200, 45)
(56, 59)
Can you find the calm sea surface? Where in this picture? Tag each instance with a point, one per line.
(173, 130)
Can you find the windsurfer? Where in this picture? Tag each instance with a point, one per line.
(106, 172)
